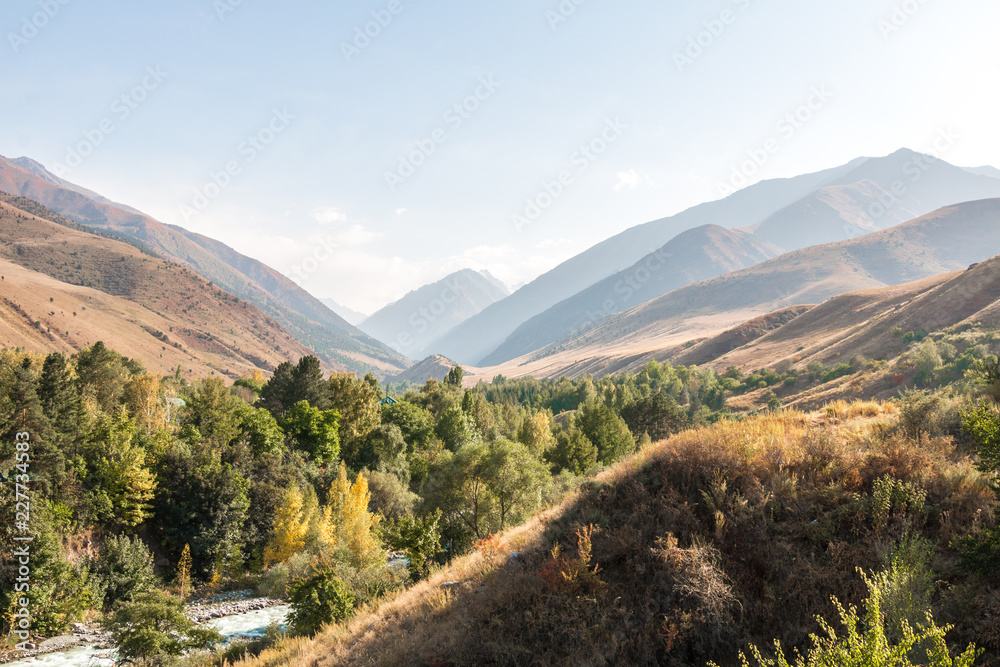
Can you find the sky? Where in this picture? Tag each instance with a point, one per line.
(367, 148)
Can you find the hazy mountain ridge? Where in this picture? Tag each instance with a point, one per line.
(350, 315)
(411, 324)
(693, 255)
(305, 317)
(860, 197)
(473, 340)
(946, 240)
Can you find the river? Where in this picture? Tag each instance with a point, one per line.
(250, 624)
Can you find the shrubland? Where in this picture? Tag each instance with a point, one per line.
(746, 541)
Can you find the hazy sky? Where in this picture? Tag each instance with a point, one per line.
(145, 101)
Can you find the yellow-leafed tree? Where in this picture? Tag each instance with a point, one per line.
(353, 526)
(291, 527)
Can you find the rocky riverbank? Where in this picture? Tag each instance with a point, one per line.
(200, 612)
(93, 636)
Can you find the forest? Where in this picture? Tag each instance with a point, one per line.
(147, 489)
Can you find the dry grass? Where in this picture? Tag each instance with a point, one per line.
(739, 532)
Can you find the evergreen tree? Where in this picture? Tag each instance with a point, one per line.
(454, 377)
(606, 430)
(574, 452)
(60, 398)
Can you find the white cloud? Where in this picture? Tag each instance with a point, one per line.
(355, 236)
(328, 215)
(628, 179)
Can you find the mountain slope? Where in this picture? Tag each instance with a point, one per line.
(862, 323)
(474, 339)
(949, 239)
(305, 317)
(412, 323)
(697, 254)
(864, 195)
(877, 194)
(64, 288)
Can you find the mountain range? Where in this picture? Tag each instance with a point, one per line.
(312, 323)
(870, 223)
(949, 239)
(769, 218)
(412, 325)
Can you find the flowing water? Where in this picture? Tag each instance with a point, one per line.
(250, 624)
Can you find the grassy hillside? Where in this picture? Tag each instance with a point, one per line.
(65, 288)
(305, 317)
(720, 536)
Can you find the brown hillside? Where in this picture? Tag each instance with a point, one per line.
(64, 289)
(302, 315)
(737, 337)
(434, 367)
(862, 324)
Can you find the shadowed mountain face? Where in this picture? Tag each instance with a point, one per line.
(862, 196)
(949, 239)
(694, 255)
(305, 317)
(411, 324)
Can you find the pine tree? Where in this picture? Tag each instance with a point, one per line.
(60, 398)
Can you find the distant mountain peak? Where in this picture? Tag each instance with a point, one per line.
(411, 323)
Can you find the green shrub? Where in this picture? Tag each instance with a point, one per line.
(318, 600)
(892, 497)
(276, 581)
(154, 624)
(866, 643)
(419, 539)
(122, 571)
